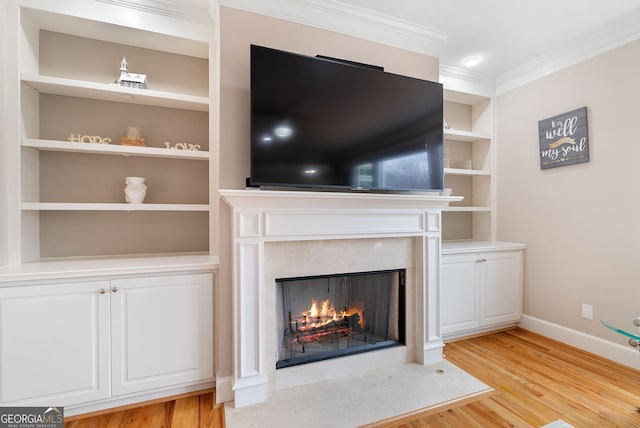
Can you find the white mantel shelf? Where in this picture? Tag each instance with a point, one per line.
(257, 217)
(351, 199)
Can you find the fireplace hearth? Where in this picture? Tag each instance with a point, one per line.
(328, 316)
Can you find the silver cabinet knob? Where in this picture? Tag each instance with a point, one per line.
(102, 291)
(114, 289)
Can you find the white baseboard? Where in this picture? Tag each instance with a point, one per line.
(224, 389)
(604, 348)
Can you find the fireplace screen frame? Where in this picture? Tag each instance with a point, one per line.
(358, 340)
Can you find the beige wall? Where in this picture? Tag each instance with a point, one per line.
(582, 222)
(239, 29)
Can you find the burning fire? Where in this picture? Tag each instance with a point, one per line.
(325, 313)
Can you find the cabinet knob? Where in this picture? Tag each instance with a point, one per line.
(481, 260)
(114, 289)
(102, 291)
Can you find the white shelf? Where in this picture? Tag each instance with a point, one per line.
(73, 206)
(467, 209)
(113, 149)
(460, 171)
(111, 92)
(456, 135)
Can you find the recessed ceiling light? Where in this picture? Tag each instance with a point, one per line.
(471, 61)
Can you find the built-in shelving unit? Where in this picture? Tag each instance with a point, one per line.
(67, 198)
(73, 253)
(470, 170)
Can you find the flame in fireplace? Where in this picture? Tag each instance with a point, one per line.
(325, 313)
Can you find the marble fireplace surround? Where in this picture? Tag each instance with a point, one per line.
(318, 233)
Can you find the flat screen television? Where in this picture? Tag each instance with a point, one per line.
(320, 123)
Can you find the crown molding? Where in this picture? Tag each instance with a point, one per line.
(169, 8)
(347, 19)
(602, 40)
(468, 81)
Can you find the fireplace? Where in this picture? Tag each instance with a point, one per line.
(279, 234)
(328, 316)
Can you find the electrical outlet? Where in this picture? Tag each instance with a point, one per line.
(587, 311)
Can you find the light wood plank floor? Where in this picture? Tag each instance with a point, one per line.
(536, 381)
(190, 411)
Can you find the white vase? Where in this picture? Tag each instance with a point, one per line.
(135, 190)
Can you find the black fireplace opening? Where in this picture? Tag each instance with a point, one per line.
(328, 316)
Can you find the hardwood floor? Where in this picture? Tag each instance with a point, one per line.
(194, 411)
(536, 381)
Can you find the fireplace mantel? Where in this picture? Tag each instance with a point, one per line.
(274, 198)
(256, 217)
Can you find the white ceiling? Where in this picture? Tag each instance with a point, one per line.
(505, 34)
(516, 40)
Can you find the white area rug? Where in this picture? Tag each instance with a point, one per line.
(361, 399)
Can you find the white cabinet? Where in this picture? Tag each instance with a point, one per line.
(54, 343)
(500, 281)
(91, 342)
(459, 299)
(481, 288)
(162, 331)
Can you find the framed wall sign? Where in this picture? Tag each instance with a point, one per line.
(564, 139)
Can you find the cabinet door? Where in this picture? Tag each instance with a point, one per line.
(55, 344)
(458, 293)
(162, 331)
(501, 287)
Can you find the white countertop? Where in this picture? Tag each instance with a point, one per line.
(460, 247)
(76, 267)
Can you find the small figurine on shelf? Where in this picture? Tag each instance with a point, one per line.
(133, 138)
(131, 80)
(134, 190)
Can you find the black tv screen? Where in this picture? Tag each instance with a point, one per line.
(330, 124)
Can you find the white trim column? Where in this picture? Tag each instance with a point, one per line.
(250, 379)
(428, 296)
